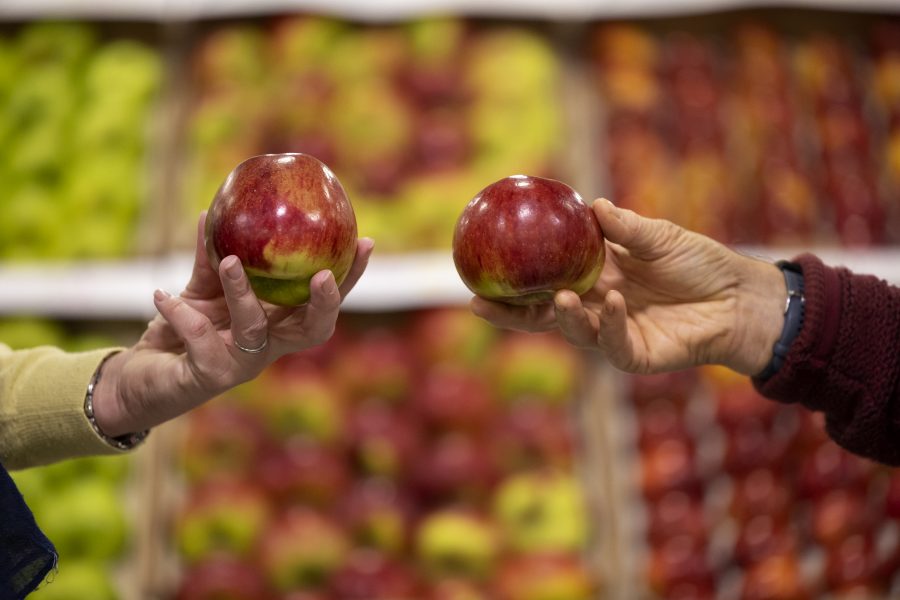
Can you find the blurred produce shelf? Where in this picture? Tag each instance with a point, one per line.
(400, 9)
(124, 290)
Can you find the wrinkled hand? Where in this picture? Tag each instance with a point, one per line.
(188, 354)
(667, 299)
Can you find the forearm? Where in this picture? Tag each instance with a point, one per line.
(846, 360)
(42, 416)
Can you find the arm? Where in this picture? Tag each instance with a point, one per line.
(846, 360)
(42, 416)
(191, 352)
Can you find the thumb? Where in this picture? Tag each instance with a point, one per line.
(639, 235)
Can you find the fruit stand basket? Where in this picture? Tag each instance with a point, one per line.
(687, 480)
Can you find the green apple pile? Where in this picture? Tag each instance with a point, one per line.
(413, 118)
(74, 122)
(426, 457)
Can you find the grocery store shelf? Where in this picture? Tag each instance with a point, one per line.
(401, 9)
(124, 290)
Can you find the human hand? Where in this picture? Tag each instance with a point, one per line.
(190, 351)
(667, 299)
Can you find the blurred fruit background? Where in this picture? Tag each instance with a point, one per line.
(421, 454)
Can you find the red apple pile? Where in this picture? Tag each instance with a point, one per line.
(713, 132)
(424, 456)
(748, 498)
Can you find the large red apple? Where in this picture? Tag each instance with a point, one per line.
(287, 217)
(522, 239)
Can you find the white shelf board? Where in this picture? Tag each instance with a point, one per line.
(124, 290)
(390, 10)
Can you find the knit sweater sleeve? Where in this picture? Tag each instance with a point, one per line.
(42, 416)
(846, 360)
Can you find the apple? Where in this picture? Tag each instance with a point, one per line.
(761, 492)
(383, 439)
(669, 465)
(542, 511)
(456, 588)
(763, 536)
(674, 386)
(838, 514)
(368, 575)
(522, 239)
(304, 471)
(378, 364)
(544, 576)
(454, 464)
(287, 217)
(222, 516)
(78, 579)
(86, 520)
(675, 514)
(221, 440)
(830, 467)
(778, 576)
(223, 578)
(535, 367)
(456, 542)
(855, 562)
(659, 420)
(451, 335)
(752, 446)
(302, 549)
(530, 435)
(454, 398)
(379, 514)
(676, 561)
(302, 402)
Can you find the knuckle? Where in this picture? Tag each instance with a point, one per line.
(197, 328)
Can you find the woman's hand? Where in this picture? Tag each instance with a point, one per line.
(197, 347)
(667, 299)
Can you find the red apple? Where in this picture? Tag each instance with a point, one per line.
(301, 549)
(454, 398)
(384, 440)
(522, 239)
(763, 536)
(752, 446)
(677, 561)
(668, 466)
(675, 386)
(777, 577)
(379, 514)
(530, 435)
(545, 576)
(830, 467)
(839, 514)
(660, 420)
(221, 440)
(855, 562)
(761, 492)
(287, 217)
(304, 471)
(454, 465)
(368, 575)
(677, 514)
(378, 364)
(223, 578)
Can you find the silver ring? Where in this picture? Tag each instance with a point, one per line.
(251, 350)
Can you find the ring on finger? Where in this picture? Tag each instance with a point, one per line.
(256, 350)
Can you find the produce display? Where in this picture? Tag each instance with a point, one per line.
(414, 118)
(75, 110)
(752, 136)
(746, 498)
(81, 505)
(430, 458)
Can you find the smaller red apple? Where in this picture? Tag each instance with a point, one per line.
(223, 578)
(522, 239)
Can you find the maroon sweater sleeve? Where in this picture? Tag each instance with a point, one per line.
(846, 360)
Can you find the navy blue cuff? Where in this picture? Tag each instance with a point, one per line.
(793, 317)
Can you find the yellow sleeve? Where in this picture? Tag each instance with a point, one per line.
(42, 416)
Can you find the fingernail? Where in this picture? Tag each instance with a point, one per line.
(161, 295)
(330, 286)
(234, 269)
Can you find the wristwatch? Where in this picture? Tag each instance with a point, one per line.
(794, 309)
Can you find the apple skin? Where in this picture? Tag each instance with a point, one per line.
(223, 578)
(522, 239)
(286, 217)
